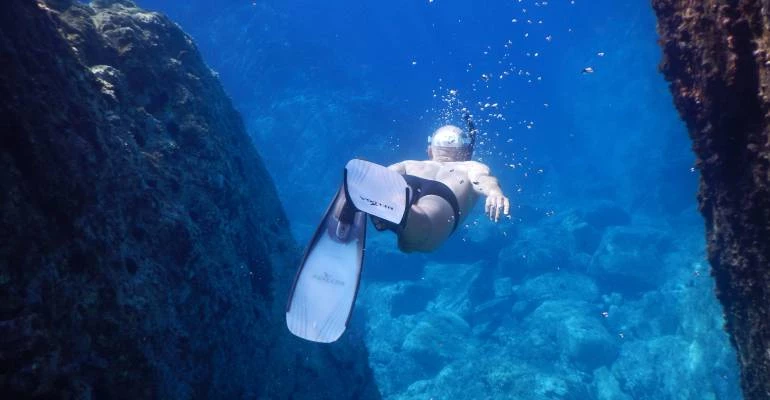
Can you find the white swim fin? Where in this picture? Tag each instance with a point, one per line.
(325, 288)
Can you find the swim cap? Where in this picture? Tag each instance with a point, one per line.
(451, 142)
(450, 136)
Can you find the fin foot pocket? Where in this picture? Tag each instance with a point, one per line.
(384, 225)
(343, 217)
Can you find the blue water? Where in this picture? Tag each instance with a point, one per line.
(597, 287)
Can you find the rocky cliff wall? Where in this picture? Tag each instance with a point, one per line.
(143, 250)
(717, 58)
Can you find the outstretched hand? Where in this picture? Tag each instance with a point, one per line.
(496, 205)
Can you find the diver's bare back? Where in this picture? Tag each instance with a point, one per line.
(453, 174)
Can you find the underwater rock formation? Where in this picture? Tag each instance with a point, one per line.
(717, 59)
(143, 249)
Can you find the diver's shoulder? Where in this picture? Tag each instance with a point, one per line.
(475, 163)
(475, 168)
(471, 164)
(416, 162)
(414, 166)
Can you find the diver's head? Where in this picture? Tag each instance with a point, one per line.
(450, 143)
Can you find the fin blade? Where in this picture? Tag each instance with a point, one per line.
(325, 289)
(376, 190)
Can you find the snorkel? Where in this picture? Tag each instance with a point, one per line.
(472, 131)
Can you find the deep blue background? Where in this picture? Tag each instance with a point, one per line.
(373, 76)
(321, 82)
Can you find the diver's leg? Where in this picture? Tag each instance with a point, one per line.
(430, 222)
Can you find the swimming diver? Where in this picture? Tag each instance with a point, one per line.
(423, 202)
(445, 188)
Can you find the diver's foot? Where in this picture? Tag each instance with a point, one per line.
(379, 223)
(384, 225)
(343, 215)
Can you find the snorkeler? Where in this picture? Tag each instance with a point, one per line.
(423, 202)
(444, 189)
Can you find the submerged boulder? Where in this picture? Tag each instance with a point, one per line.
(143, 250)
(568, 329)
(533, 253)
(675, 359)
(437, 339)
(604, 214)
(558, 286)
(631, 258)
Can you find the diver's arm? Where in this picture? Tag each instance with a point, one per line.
(487, 185)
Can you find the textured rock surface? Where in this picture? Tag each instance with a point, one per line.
(473, 331)
(717, 58)
(143, 250)
(631, 257)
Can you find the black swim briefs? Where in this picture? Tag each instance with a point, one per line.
(424, 187)
(421, 187)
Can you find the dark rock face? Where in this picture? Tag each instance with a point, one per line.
(716, 56)
(143, 250)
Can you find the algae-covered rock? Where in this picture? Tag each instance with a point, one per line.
(143, 250)
(716, 56)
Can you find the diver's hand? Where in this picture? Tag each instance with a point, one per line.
(496, 205)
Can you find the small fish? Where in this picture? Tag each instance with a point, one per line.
(588, 70)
